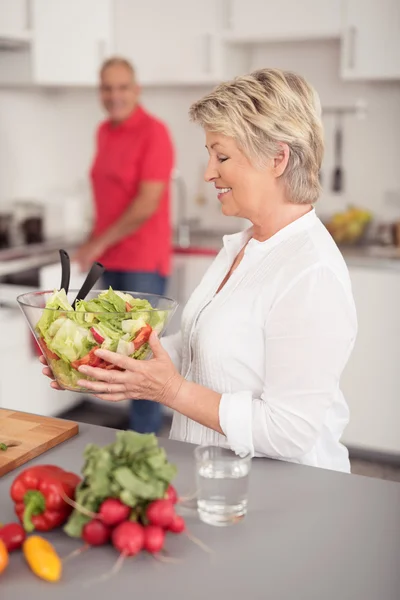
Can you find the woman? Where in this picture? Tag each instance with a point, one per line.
(267, 333)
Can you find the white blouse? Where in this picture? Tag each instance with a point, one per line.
(274, 342)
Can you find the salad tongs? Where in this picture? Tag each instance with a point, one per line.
(93, 276)
(65, 270)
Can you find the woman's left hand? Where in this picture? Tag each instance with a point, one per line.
(155, 379)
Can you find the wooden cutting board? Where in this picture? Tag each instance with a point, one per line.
(29, 436)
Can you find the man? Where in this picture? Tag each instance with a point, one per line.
(131, 176)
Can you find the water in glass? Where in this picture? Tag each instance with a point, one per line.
(222, 483)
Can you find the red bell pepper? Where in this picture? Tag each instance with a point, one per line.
(39, 495)
(142, 336)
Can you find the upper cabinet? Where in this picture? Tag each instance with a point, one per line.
(268, 20)
(371, 40)
(71, 38)
(15, 22)
(168, 41)
(187, 42)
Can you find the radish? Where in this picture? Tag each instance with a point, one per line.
(154, 537)
(177, 524)
(171, 494)
(97, 336)
(161, 513)
(95, 533)
(128, 538)
(113, 512)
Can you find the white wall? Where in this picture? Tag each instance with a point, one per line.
(46, 138)
(371, 146)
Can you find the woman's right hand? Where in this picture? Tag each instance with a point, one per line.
(48, 372)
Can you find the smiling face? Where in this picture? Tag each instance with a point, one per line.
(243, 189)
(119, 92)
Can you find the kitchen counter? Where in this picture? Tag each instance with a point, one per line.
(205, 243)
(310, 534)
(33, 256)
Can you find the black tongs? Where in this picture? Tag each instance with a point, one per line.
(92, 277)
(65, 271)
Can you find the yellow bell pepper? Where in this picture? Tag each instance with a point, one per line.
(42, 558)
(3, 556)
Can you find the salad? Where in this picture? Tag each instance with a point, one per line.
(113, 320)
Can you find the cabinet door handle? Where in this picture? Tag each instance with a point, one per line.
(352, 47)
(28, 15)
(227, 14)
(207, 53)
(101, 49)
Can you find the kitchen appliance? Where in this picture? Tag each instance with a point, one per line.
(28, 220)
(27, 436)
(5, 230)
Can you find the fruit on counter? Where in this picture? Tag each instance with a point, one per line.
(112, 512)
(154, 538)
(177, 525)
(4, 559)
(171, 494)
(114, 321)
(13, 535)
(161, 513)
(3, 447)
(128, 538)
(42, 558)
(40, 495)
(349, 226)
(133, 470)
(96, 533)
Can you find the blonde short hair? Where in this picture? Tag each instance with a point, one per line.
(264, 109)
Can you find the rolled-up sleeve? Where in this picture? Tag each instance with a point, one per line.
(173, 345)
(309, 335)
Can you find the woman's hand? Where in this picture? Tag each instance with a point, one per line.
(155, 379)
(48, 372)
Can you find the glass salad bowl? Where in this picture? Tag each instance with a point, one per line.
(118, 321)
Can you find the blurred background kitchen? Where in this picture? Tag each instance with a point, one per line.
(50, 54)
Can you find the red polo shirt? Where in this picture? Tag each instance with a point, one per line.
(135, 151)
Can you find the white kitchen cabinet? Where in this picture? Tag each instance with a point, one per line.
(371, 40)
(371, 381)
(187, 272)
(167, 41)
(22, 385)
(14, 17)
(71, 38)
(267, 20)
(50, 277)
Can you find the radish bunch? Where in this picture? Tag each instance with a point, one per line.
(112, 522)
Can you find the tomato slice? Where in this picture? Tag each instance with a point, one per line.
(142, 336)
(128, 307)
(91, 360)
(46, 351)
